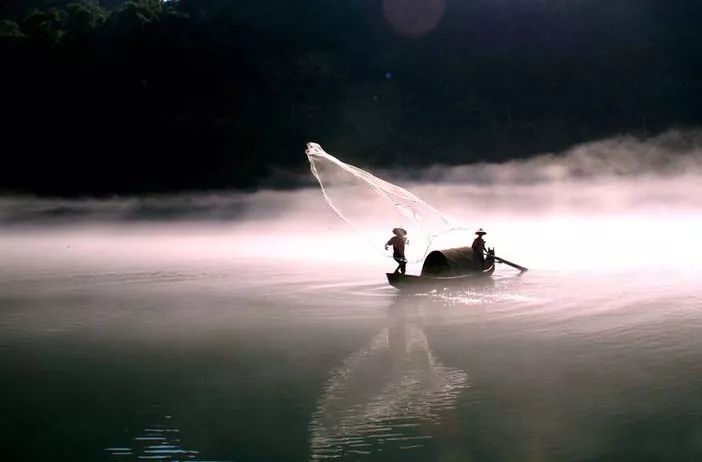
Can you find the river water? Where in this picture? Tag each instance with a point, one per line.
(112, 351)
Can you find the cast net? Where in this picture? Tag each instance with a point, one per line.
(373, 207)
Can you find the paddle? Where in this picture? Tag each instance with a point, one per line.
(506, 262)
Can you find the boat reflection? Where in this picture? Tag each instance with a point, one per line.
(385, 396)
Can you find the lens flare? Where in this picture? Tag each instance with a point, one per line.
(414, 17)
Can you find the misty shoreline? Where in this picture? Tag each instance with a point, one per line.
(608, 176)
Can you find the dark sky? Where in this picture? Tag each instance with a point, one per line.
(209, 94)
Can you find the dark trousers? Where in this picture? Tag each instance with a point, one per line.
(402, 264)
(479, 259)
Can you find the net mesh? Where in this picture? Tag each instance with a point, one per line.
(373, 207)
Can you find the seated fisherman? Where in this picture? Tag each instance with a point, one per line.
(479, 248)
(398, 243)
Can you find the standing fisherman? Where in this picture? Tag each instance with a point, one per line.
(479, 248)
(398, 242)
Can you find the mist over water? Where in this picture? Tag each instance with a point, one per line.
(259, 326)
(637, 200)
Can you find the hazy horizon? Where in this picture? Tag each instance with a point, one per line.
(636, 207)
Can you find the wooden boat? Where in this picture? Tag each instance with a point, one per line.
(445, 268)
(411, 282)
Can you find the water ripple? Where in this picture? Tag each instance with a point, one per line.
(384, 395)
(157, 442)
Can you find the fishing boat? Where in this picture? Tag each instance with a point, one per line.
(446, 268)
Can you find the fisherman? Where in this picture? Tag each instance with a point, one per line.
(479, 248)
(398, 242)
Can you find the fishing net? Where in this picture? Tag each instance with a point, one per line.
(373, 207)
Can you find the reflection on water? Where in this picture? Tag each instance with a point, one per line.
(275, 362)
(384, 395)
(158, 442)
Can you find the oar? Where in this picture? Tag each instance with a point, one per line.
(514, 265)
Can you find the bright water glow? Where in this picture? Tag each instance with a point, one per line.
(260, 327)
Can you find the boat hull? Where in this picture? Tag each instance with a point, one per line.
(408, 282)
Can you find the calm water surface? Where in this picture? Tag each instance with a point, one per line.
(235, 360)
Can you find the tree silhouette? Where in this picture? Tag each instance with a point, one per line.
(144, 95)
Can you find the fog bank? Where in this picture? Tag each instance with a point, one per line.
(617, 204)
